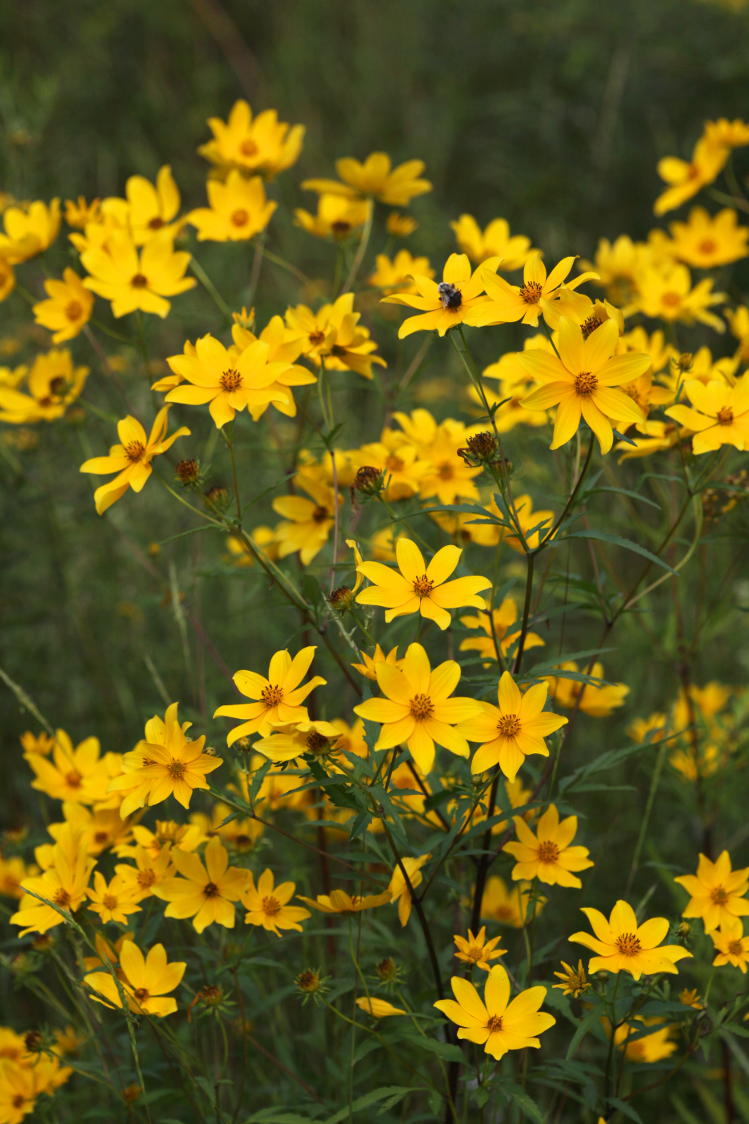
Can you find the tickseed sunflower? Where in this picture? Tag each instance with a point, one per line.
(574, 980)
(337, 217)
(731, 946)
(301, 739)
(307, 522)
(719, 414)
(131, 460)
(507, 303)
(113, 900)
(339, 901)
(207, 890)
(686, 178)
(707, 240)
(145, 981)
(546, 853)
(418, 709)
(496, 1022)
(253, 144)
(417, 588)
(582, 380)
(621, 945)
(63, 882)
(238, 209)
(68, 307)
(512, 731)
(494, 241)
(378, 1008)
(456, 299)
(268, 905)
(137, 279)
(29, 230)
(374, 177)
(400, 888)
(277, 700)
(716, 891)
(477, 949)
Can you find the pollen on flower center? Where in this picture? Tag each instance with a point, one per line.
(73, 310)
(272, 695)
(73, 779)
(210, 890)
(445, 471)
(316, 742)
(707, 247)
(155, 223)
(585, 383)
(109, 901)
(145, 878)
(134, 450)
(719, 896)
(671, 300)
(421, 707)
(590, 325)
(548, 852)
(248, 147)
(271, 906)
(422, 586)
(531, 292)
(494, 1024)
(725, 416)
(230, 379)
(450, 296)
(139, 281)
(316, 338)
(320, 514)
(628, 944)
(508, 725)
(735, 948)
(141, 993)
(62, 897)
(240, 217)
(176, 770)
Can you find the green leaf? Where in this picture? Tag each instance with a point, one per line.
(390, 1094)
(616, 540)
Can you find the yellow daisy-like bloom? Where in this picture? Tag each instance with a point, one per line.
(508, 303)
(260, 144)
(417, 709)
(338, 901)
(582, 382)
(207, 890)
(574, 980)
(400, 226)
(708, 240)
(719, 414)
(667, 294)
(14, 871)
(22, 1084)
(227, 379)
(512, 731)
(494, 241)
(417, 588)
(308, 522)
(477, 949)
(546, 854)
(113, 901)
(53, 384)
(686, 178)
(508, 905)
(152, 207)
(68, 308)
(73, 773)
(29, 230)
(621, 945)
(165, 763)
(277, 699)
(145, 981)
(369, 663)
(394, 274)
(501, 623)
(399, 889)
(334, 337)
(63, 881)
(732, 134)
(456, 299)
(597, 700)
(302, 738)
(267, 904)
(79, 212)
(731, 946)
(131, 459)
(716, 891)
(496, 1023)
(374, 177)
(378, 1008)
(137, 279)
(149, 870)
(237, 209)
(337, 217)
(640, 1043)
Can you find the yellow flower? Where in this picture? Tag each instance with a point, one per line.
(417, 588)
(456, 299)
(686, 178)
(145, 981)
(68, 308)
(477, 949)
(131, 460)
(337, 217)
(79, 212)
(113, 901)
(165, 763)
(547, 854)
(719, 414)
(399, 889)
(417, 709)
(644, 1040)
(308, 522)
(299, 739)
(334, 337)
(507, 905)
(263, 144)
(446, 475)
(375, 177)
(207, 890)
(731, 945)
(494, 241)
(621, 945)
(237, 209)
(14, 871)
(73, 773)
(705, 241)
(378, 1008)
(507, 303)
(29, 230)
(22, 1085)
(137, 279)
(668, 295)
(496, 1023)
(690, 997)
(732, 134)
(514, 730)
(278, 698)
(394, 274)
(339, 901)
(574, 980)
(149, 870)
(53, 384)
(369, 663)
(400, 225)
(716, 891)
(147, 207)
(267, 904)
(597, 700)
(284, 347)
(500, 623)
(582, 382)
(63, 882)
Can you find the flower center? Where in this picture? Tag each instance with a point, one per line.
(240, 217)
(145, 878)
(450, 296)
(271, 906)
(316, 742)
(140, 994)
(671, 300)
(725, 416)
(316, 338)
(445, 471)
(210, 890)
(73, 779)
(707, 247)
(508, 725)
(531, 292)
(62, 897)
(272, 695)
(585, 383)
(422, 586)
(230, 380)
(719, 896)
(109, 901)
(155, 223)
(548, 852)
(320, 514)
(735, 948)
(134, 450)
(340, 228)
(18, 1101)
(628, 944)
(176, 770)
(494, 1024)
(590, 325)
(73, 310)
(248, 147)
(421, 707)
(139, 281)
